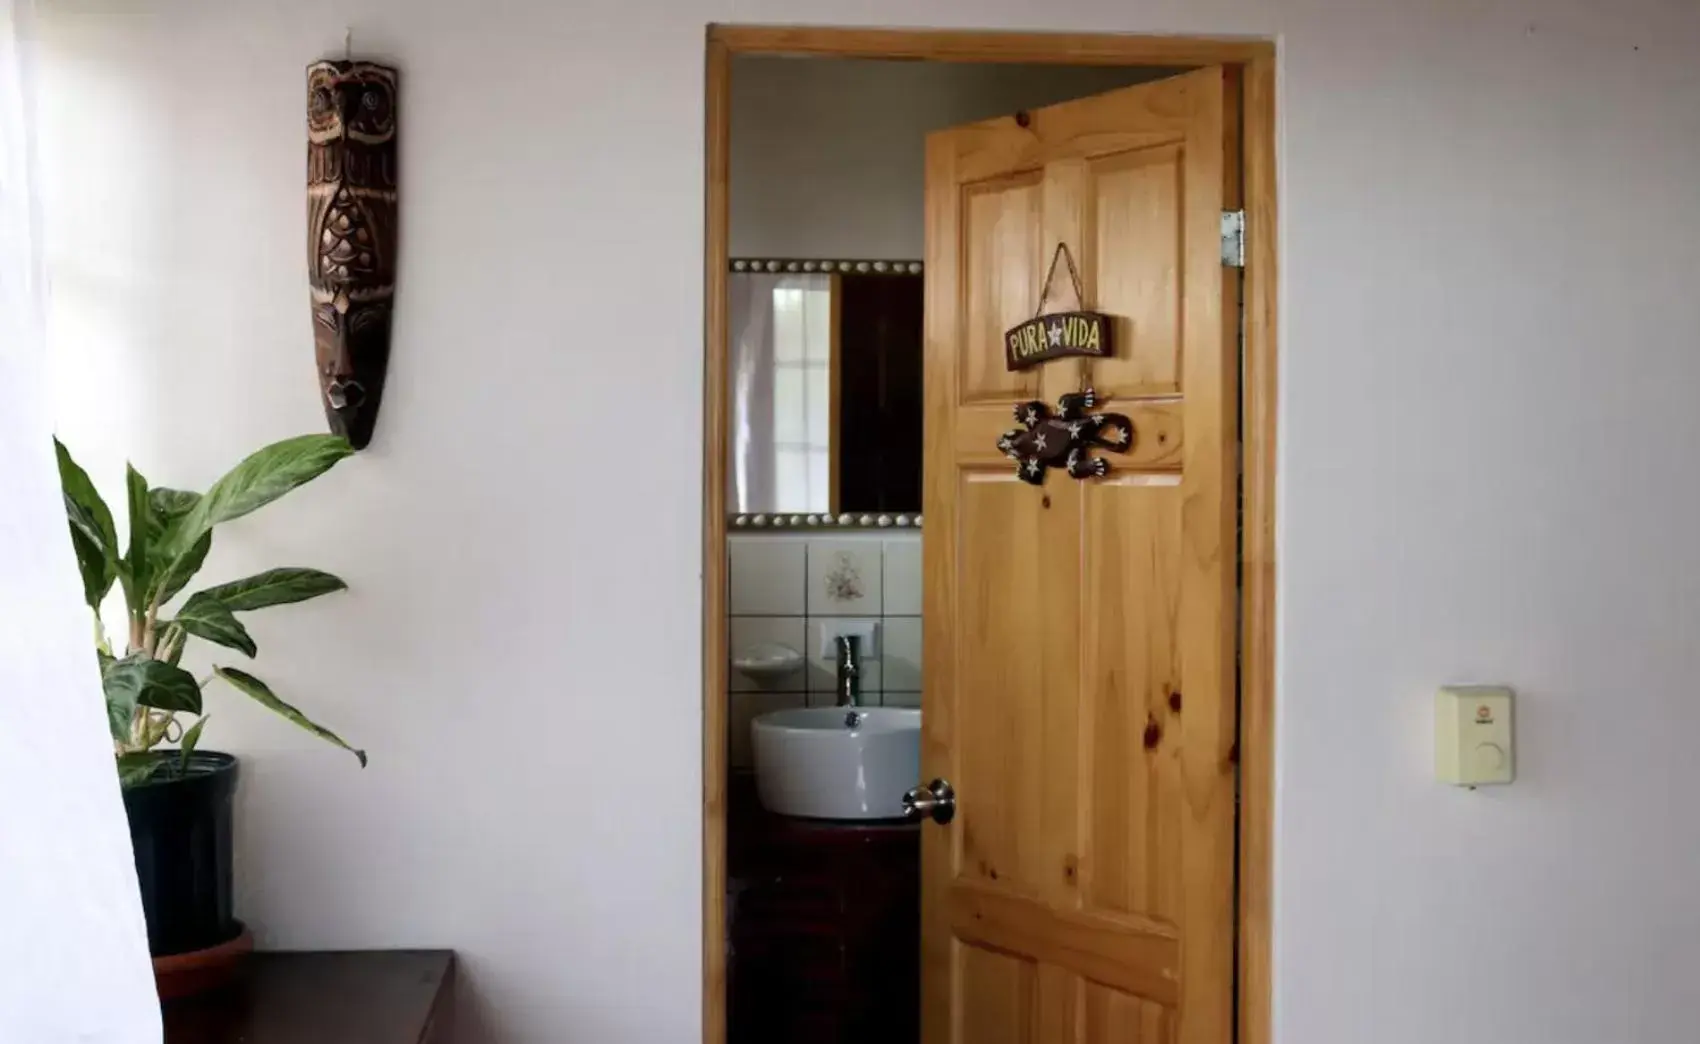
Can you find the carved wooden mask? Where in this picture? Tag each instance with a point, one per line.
(351, 236)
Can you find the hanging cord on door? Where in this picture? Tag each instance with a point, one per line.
(1063, 253)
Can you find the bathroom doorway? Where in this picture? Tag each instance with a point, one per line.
(1154, 924)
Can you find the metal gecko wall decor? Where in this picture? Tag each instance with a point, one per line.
(1064, 439)
(351, 236)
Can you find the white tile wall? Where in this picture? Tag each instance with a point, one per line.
(902, 654)
(780, 592)
(768, 576)
(902, 578)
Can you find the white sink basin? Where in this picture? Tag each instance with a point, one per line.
(809, 762)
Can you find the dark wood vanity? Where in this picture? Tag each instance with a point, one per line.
(360, 997)
(823, 928)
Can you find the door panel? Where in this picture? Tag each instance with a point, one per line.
(1133, 527)
(1079, 636)
(1116, 1018)
(1134, 199)
(1003, 746)
(1001, 273)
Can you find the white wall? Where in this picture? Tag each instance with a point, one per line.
(829, 157)
(1489, 362)
(519, 649)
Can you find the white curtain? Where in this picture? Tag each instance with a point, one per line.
(73, 948)
(780, 381)
(750, 340)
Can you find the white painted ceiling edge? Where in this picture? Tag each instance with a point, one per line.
(73, 946)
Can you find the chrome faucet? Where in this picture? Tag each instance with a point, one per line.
(849, 670)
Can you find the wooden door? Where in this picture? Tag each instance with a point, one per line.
(1080, 658)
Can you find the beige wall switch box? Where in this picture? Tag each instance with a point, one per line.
(1472, 735)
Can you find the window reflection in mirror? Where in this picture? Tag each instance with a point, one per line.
(781, 353)
(826, 393)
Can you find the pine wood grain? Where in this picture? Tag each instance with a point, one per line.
(1208, 723)
(716, 410)
(947, 45)
(944, 386)
(1094, 837)
(1257, 562)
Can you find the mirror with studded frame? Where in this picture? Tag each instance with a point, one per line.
(825, 382)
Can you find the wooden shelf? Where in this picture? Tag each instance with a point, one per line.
(370, 996)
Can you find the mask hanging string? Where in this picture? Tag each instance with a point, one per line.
(348, 43)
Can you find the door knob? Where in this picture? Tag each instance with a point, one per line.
(936, 799)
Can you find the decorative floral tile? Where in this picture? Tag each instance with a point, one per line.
(845, 578)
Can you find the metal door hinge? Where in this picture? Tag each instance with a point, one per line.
(1233, 238)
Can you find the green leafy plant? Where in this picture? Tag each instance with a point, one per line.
(170, 534)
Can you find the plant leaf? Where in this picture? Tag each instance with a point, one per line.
(191, 739)
(139, 680)
(264, 476)
(93, 536)
(168, 507)
(172, 639)
(136, 768)
(182, 569)
(121, 691)
(97, 570)
(206, 617)
(274, 587)
(155, 728)
(256, 689)
(144, 531)
(83, 503)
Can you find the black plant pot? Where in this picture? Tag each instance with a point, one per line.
(180, 828)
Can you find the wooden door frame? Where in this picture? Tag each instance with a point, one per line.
(1255, 61)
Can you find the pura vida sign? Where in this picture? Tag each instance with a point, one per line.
(1055, 336)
